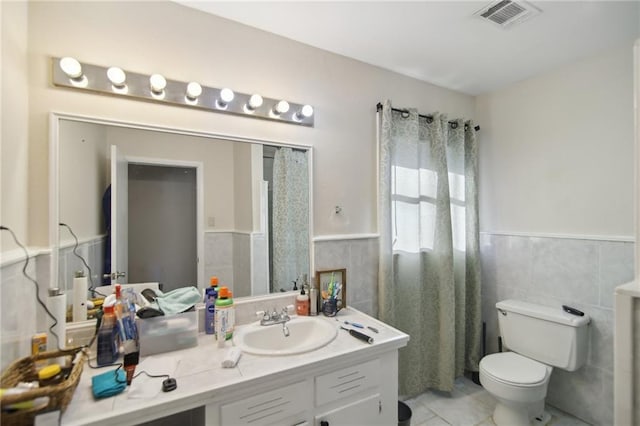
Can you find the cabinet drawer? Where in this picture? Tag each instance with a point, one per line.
(348, 381)
(271, 407)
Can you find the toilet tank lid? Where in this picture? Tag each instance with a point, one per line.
(543, 312)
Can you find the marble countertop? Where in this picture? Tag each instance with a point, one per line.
(201, 380)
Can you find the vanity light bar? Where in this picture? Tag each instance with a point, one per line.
(68, 72)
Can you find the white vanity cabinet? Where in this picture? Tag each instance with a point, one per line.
(358, 392)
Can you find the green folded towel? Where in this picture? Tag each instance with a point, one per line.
(108, 384)
(178, 300)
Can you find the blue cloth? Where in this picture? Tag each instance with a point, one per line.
(108, 384)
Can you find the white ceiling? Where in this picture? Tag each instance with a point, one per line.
(442, 42)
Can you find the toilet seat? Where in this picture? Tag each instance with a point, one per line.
(513, 369)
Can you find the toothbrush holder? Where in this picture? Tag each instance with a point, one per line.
(330, 307)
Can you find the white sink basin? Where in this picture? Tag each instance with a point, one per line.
(305, 334)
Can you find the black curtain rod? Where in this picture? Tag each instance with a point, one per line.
(429, 117)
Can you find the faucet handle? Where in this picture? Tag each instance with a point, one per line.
(274, 314)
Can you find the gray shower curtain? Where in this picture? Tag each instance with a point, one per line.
(429, 270)
(290, 217)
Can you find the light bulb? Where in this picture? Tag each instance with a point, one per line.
(255, 101)
(226, 96)
(157, 83)
(71, 67)
(281, 107)
(116, 76)
(305, 112)
(193, 90)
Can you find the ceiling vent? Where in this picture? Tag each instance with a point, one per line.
(506, 13)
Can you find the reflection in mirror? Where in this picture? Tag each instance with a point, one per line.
(156, 205)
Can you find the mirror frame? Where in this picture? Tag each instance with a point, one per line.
(54, 182)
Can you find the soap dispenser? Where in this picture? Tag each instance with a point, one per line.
(302, 303)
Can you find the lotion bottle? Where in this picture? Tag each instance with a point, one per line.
(210, 311)
(224, 318)
(302, 303)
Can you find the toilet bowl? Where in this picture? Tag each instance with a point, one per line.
(518, 383)
(539, 338)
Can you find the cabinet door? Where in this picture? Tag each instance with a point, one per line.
(367, 411)
(281, 406)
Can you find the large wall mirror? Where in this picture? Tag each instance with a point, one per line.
(171, 206)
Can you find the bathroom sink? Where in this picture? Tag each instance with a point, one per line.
(305, 334)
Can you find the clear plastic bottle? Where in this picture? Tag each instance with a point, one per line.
(125, 315)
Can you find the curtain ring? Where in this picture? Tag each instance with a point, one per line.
(454, 124)
(404, 113)
(429, 119)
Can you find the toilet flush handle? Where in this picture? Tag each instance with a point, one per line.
(503, 312)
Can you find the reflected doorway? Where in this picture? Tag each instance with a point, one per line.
(162, 243)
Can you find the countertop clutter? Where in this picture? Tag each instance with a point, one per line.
(201, 380)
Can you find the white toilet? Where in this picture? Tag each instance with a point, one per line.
(539, 339)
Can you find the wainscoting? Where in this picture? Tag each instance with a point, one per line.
(359, 255)
(551, 271)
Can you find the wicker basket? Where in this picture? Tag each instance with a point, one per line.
(24, 370)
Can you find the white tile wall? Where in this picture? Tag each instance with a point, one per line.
(553, 272)
(241, 265)
(20, 315)
(227, 256)
(550, 271)
(218, 256)
(360, 258)
(93, 253)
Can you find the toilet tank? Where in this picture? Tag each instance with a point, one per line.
(548, 335)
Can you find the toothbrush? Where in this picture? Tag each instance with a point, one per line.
(355, 324)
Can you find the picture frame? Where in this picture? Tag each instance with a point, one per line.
(323, 278)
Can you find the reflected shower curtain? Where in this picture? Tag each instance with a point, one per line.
(429, 276)
(290, 217)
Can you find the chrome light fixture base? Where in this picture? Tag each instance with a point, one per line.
(137, 86)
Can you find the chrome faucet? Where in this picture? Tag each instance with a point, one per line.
(276, 318)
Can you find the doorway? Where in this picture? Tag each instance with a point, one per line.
(163, 243)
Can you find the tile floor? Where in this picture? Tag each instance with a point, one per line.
(468, 404)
